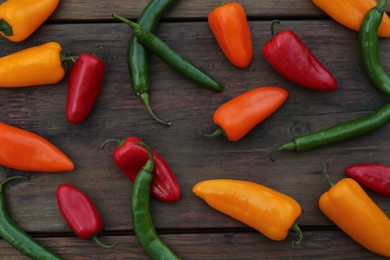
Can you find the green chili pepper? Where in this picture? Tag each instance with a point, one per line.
(140, 213)
(171, 57)
(339, 132)
(137, 58)
(369, 50)
(10, 232)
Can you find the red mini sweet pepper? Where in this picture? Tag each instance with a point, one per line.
(80, 213)
(291, 58)
(373, 176)
(130, 158)
(84, 85)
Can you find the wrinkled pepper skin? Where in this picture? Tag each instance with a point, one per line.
(20, 18)
(230, 27)
(292, 59)
(268, 211)
(373, 176)
(348, 206)
(23, 150)
(240, 115)
(39, 65)
(130, 158)
(84, 85)
(350, 13)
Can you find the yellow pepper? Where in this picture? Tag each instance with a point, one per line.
(268, 211)
(20, 18)
(40, 65)
(351, 209)
(350, 13)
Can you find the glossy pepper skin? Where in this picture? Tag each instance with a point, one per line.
(373, 176)
(350, 13)
(268, 211)
(20, 18)
(39, 65)
(80, 213)
(26, 151)
(292, 59)
(348, 206)
(230, 27)
(84, 85)
(241, 114)
(130, 158)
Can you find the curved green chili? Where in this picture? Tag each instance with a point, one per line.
(170, 56)
(10, 232)
(369, 50)
(140, 213)
(339, 132)
(137, 58)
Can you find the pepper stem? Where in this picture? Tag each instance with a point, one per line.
(145, 98)
(6, 28)
(216, 133)
(326, 173)
(297, 230)
(96, 52)
(273, 33)
(117, 141)
(221, 3)
(68, 58)
(149, 165)
(100, 243)
(10, 179)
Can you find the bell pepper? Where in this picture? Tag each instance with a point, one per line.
(130, 158)
(39, 65)
(268, 211)
(350, 13)
(373, 176)
(80, 213)
(20, 18)
(26, 151)
(291, 58)
(238, 116)
(230, 27)
(85, 81)
(348, 206)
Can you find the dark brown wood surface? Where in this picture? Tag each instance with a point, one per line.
(189, 226)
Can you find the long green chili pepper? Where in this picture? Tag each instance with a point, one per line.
(369, 50)
(140, 213)
(137, 58)
(171, 57)
(339, 132)
(10, 232)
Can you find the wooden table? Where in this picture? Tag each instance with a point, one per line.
(190, 227)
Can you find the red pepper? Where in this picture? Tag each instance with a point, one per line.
(130, 158)
(289, 56)
(84, 85)
(373, 176)
(80, 213)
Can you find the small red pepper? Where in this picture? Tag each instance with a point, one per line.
(373, 176)
(130, 158)
(80, 213)
(84, 86)
(289, 56)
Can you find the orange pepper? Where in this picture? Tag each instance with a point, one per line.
(38, 65)
(350, 13)
(268, 211)
(23, 150)
(20, 18)
(231, 30)
(238, 116)
(351, 209)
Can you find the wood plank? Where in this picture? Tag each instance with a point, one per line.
(317, 245)
(118, 113)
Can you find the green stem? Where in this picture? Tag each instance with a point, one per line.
(297, 230)
(10, 179)
(123, 20)
(326, 173)
(147, 147)
(221, 3)
(68, 58)
(95, 53)
(100, 243)
(113, 140)
(216, 133)
(273, 33)
(145, 98)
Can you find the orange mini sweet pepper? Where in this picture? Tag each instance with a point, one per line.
(348, 206)
(268, 211)
(33, 66)
(24, 150)
(20, 18)
(241, 114)
(350, 13)
(230, 27)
